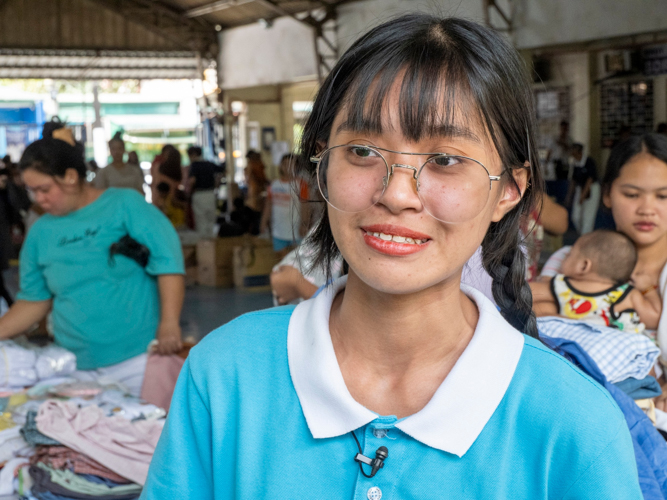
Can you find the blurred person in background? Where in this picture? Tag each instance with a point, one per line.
(9, 218)
(661, 128)
(203, 179)
(585, 190)
(133, 159)
(286, 208)
(257, 183)
(558, 153)
(172, 205)
(118, 173)
(107, 264)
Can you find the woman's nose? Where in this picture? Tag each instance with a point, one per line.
(401, 191)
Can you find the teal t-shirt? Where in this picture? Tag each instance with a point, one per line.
(104, 310)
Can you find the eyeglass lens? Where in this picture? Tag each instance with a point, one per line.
(452, 189)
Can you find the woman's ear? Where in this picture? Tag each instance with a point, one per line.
(71, 177)
(511, 196)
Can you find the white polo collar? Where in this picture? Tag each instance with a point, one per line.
(459, 409)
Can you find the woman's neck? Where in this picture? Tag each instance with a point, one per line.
(652, 258)
(86, 196)
(117, 164)
(394, 351)
(395, 332)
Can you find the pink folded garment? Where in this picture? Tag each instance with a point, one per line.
(160, 379)
(120, 445)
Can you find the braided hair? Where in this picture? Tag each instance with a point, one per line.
(449, 67)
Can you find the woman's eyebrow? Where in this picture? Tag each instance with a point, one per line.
(632, 186)
(446, 131)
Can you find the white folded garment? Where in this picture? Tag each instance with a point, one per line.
(619, 355)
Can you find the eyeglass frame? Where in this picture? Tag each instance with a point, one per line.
(390, 168)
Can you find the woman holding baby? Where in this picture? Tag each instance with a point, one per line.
(635, 190)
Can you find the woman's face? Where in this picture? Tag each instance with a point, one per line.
(117, 151)
(56, 196)
(401, 268)
(638, 199)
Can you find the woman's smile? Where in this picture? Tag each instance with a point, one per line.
(395, 240)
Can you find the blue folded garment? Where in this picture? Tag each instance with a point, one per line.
(645, 388)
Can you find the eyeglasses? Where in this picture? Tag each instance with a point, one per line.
(353, 178)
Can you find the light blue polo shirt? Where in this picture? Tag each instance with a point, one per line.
(105, 311)
(261, 411)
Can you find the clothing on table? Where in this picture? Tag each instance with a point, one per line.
(61, 457)
(273, 375)
(32, 435)
(70, 485)
(595, 308)
(160, 380)
(17, 365)
(619, 355)
(129, 176)
(649, 445)
(7, 475)
(204, 174)
(129, 373)
(124, 447)
(648, 387)
(205, 212)
(12, 444)
(286, 209)
(66, 258)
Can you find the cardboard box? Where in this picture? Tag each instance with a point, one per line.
(253, 263)
(215, 261)
(190, 255)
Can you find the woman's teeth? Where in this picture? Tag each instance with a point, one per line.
(397, 239)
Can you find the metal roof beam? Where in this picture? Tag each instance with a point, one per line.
(214, 7)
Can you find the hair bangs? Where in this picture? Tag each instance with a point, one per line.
(433, 94)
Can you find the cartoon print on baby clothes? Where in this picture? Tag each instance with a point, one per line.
(596, 308)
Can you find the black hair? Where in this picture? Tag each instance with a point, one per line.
(617, 265)
(163, 188)
(117, 137)
(578, 147)
(171, 164)
(662, 128)
(623, 152)
(447, 66)
(194, 151)
(53, 157)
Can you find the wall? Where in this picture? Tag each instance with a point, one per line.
(548, 22)
(252, 55)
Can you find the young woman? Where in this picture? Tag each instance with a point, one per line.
(106, 308)
(421, 139)
(118, 173)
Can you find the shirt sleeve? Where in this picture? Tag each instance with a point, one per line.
(150, 227)
(552, 266)
(613, 473)
(100, 180)
(31, 275)
(182, 464)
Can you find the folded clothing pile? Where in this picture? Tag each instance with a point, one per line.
(23, 365)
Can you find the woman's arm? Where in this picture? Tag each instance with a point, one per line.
(21, 316)
(543, 300)
(172, 293)
(648, 305)
(553, 216)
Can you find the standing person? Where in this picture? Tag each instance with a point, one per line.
(422, 138)
(203, 178)
(9, 217)
(558, 153)
(110, 296)
(585, 190)
(286, 208)
(118, 173)
(257, 183)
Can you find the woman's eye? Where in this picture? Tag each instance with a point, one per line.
(631, 195)
(444, 161)
(362, 152)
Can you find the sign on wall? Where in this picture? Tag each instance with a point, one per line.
(655, 60)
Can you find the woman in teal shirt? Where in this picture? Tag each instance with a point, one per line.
(396, 382)
(105, 308)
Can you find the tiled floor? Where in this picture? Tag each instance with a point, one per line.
(204, 310)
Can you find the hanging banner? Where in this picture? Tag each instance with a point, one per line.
(655, 60)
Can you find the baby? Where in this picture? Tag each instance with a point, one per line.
(594, 286)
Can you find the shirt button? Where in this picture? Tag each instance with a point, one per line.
(380, 433)
(374, 493)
